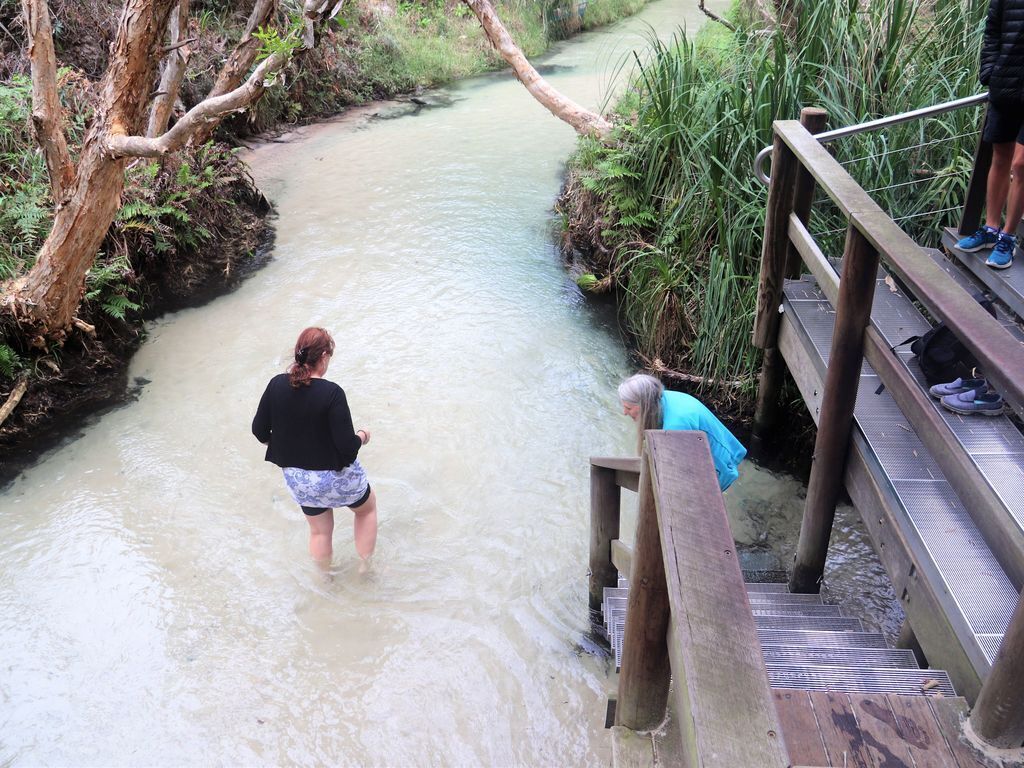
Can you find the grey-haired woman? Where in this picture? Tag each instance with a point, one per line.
(645, 400)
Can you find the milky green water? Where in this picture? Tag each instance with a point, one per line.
(157, 605)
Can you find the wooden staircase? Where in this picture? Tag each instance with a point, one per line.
(844, 698)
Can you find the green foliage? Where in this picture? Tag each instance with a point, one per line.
(107, 285)
(24, 187)
(10, 362)
(676, 193)
(160, 207)
(25, 201)
(273, 42)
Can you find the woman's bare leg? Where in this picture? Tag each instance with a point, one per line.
(364, 526)
(321, 533)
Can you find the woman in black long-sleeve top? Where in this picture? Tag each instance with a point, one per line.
(307, 427)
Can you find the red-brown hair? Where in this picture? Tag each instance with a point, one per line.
(312, 345)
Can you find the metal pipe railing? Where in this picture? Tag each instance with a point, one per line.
(872, 125)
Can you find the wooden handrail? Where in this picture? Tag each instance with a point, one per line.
(999, 711)
(999, 355)
(688, 611)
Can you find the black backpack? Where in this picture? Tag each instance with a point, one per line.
(941, 355)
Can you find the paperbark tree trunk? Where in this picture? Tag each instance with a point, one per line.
(173, 71)
(46, 110)
(238, 63)
(583, 120)
(48, 296)
(44, 301)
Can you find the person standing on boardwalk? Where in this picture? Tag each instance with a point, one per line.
(645, 400)
(1002, 70)
(305, 422)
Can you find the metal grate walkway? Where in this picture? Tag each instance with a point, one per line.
(979, 597)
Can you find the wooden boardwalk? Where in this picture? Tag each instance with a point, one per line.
(872, 731)
(765, 677)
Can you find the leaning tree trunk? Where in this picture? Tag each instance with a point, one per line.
(173, 71)
(585, 122)
(48, 296)
(238, 63)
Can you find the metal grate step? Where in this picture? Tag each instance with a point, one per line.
(896, 658)
(767, 586)
(782, 598)
(816, 639)
(859, 679)
(795, 609)
(820, 623)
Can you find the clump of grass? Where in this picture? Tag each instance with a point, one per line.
(672, 208)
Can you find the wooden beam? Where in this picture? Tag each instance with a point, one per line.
(605, 498)
(622, 556)
(773, 274)
(814, 258)
(644, 674)
(775, 247)
(814, 120)
(618, 463)
(724, 702)
(627, 479)
(998, 715)
(853, 313)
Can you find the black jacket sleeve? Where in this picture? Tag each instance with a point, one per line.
(990, 41)
(343, 433)
(261, 422)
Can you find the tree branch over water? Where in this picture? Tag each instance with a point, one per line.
(583, 120)
(715, 17)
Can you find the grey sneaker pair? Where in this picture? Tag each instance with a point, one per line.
(956, 387)
(986, 403)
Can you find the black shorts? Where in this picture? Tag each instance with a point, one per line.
(314, 511)
(1005, 123)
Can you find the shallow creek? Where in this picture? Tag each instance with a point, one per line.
(157, 606)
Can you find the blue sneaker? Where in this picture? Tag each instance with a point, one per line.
(1002, 255)
(957, 387)
(986, 237)
(968, 403)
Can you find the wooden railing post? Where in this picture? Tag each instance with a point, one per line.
(977, 187)
(814, 120)
(998, 714)
(605, 500)
(774, 257)
(644, 675)
(856, 291)
(773, 368)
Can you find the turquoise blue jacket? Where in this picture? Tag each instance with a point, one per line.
(680, 411)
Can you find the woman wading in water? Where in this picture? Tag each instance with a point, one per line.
(305, 422)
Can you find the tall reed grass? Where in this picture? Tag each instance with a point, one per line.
(676, 205)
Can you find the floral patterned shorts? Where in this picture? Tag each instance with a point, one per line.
(327, 488)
